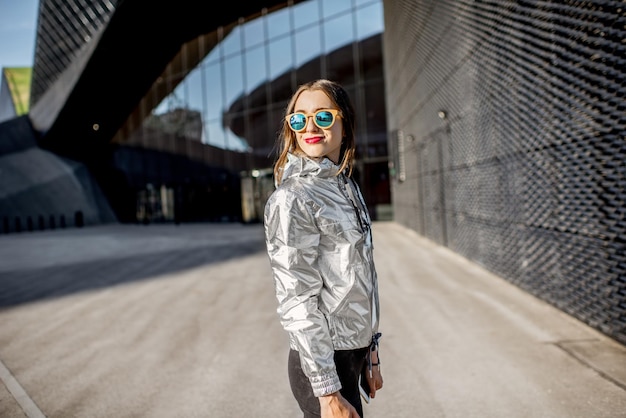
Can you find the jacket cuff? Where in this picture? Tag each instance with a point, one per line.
(325, 384)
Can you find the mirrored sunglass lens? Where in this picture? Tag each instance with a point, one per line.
(324, 118)
(297, 121)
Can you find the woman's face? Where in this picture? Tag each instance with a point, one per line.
(313, 140)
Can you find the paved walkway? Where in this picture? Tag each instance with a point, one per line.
(179, 321)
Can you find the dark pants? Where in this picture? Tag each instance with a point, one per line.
(348, 363)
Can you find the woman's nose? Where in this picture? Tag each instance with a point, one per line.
(310, 125)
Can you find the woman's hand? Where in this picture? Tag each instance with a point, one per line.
(375, 382)
(336, 406)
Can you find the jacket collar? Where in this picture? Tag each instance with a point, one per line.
(302, 166)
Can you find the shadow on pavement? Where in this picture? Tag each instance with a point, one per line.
(30, 285)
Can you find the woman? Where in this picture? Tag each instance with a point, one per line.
(319, 243)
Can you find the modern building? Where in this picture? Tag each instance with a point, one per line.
(171, 114)
(14, 92)
(507, 124)
(496, 129)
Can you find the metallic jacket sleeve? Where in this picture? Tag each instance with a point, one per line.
(292, 239)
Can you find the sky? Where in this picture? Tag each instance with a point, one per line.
(18, 25)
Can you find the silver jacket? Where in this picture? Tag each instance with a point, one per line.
(319, 242)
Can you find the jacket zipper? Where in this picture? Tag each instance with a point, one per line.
(352, 199)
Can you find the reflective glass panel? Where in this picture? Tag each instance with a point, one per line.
(308, 44)
(337, 32)
(173, 101)
(370, 54)
(280, 58)
(233, 78)
(375, 116)
(278, 23)
(369, 20)
(234, 142)
(256, 68)
(332, 7)
(253, 32)
(305, 13)
(215, 134)
(195, 90)
(214, 102)
(232, 42)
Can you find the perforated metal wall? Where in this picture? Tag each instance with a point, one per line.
(507, 128)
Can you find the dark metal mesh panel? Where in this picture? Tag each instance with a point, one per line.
(518, 114)
(63, 28)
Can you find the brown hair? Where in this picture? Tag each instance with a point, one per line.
(287, 138)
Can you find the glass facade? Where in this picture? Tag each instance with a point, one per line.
(220, 102)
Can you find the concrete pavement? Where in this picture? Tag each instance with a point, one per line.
(179, 321)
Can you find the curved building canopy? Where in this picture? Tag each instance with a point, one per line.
(118, 65)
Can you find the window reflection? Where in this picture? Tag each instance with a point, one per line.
(281, 59)
(256, 68)
(231, 43)
(235, 142)
(369, 20)
(215, 134)
(228, 109)
(338, 32)
(195, 90)
(226, 75)
(253, 33)
(305, 13)
(278, 23)
(307, 44)
(213, 97)
(233, 78)
(333, 7)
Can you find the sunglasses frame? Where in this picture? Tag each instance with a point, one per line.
(336, 114)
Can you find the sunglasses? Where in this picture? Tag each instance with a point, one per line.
(323, 118)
